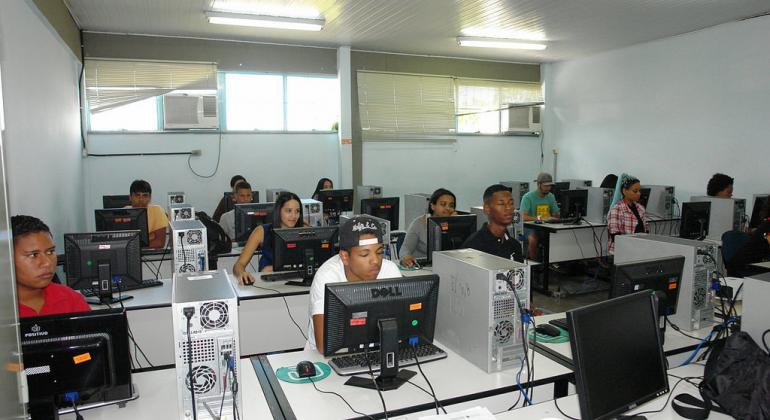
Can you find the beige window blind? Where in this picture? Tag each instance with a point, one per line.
(112, 83)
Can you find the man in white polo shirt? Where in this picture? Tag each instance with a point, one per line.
(360, 258)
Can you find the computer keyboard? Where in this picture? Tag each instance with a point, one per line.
(282, 275)
(125, 287)
(565, 221)
(355, 363)
(560, 322)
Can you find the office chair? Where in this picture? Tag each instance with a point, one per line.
(732, 242)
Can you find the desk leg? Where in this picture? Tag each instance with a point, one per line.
(560, 388)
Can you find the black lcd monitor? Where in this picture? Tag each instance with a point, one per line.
(695, 220)
(618, 355)
(384, 207)
(133, 218)
(115, 201)
(336, 202)
(303, 250)
(447, 233)
(644, 196)
(86, 353)
(661, 275)
(573, 204)
(757, 214)
(105, 262)
(391, 313)
(249, 216)
(230, 201)
(558, 187)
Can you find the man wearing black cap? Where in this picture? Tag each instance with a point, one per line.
(493, 237)
(360, 258)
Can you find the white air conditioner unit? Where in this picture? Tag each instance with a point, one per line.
(190, 111)
(523, 119)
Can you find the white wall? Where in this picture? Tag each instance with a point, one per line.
(42, 138)
(465, 167)
(293, 161)
(673, 111)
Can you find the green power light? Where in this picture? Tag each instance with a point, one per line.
(414, 322)
(89, 263)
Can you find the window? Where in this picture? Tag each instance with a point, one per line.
(312, 103)
(253, 101)
(136, 116)
(481, 104)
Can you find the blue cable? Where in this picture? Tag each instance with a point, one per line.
(705, 340)
(518, 382)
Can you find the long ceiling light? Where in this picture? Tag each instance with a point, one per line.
(264, 21)
(468, 41)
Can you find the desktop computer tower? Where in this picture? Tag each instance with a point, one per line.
(660, 205)
(176, 198)
(516, 229)
(599, 200)
(479, 314)
(180, 212)
(726, 214)
(273, 193)
(190, 246)
(755, 317)
(575, 184)
(415, 205)
(213, 337)
(695, 307)
(366, 191)
(518, 189)
(313, 212)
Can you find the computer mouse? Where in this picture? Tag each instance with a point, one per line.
(306, 369)
(548, 329)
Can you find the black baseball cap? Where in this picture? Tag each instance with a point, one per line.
(352, 230)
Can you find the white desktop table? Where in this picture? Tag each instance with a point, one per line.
(569, 405)
(158, 398)
(454, 379)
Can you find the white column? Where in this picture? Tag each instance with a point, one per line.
(345, 131)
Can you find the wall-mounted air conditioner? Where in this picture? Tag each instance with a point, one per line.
(522, 119)
(190, 111)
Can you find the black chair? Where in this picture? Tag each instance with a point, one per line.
(609, 181)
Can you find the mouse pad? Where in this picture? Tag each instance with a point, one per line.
(542, 338)
(289, 373)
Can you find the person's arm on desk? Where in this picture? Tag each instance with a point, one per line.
(239, 268)
(158, 238)
(318, 332)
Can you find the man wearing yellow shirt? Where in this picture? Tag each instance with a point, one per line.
(157, 222)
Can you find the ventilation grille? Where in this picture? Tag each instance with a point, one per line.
(214, 315)
(204, 379)
(209, 106)
(504, 332)
(699, 289)
(203, 350)
(505, 307)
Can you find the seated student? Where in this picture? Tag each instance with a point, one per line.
(360, 259)
(442, 204)
(720, 185)
(323, 184)
(493, 236)
(287, 213)
(157, 221)
(222, 206)
(538, 205)
(242, 195)
(34, 258)
(626, 216)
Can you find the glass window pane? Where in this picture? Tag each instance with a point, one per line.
(313, 103)
(254, 101)
(137, 116)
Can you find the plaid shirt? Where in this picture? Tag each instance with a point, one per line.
(621, 221)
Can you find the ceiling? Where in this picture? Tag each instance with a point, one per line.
(570, 28)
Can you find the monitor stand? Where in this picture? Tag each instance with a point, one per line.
(390, 376)
(104, 291)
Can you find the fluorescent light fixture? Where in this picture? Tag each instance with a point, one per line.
(467, 41)
(264, 21)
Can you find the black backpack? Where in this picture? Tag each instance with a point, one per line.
(218, 241)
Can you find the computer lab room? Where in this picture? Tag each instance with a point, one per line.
(384, 209)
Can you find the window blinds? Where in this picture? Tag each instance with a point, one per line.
(112, 83)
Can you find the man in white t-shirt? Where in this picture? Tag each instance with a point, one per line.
(243, 195)
(360, 258)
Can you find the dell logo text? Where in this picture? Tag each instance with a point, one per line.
(386, 291)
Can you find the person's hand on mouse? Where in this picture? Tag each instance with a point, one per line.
(407, 261)
(246, 279)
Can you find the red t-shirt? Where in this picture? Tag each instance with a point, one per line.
(58, 300)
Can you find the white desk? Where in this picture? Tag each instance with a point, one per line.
(454, 379)
(569, 405)
(158, 398)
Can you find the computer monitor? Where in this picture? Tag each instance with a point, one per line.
(447, 233)
(573, 203)
(104, 262)
(661, 275)
(336, 202)
(115, 201)
(618, 355)
(644, 196)
(230, 202)
(133, 218)
(760, 202)
(304, 250)
(249, 216)
(86, 352)
(383, 207)
(695, 220)
(389, 312)
(558, 187)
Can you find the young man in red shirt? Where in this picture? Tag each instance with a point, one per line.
(34, 256)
